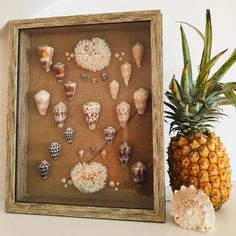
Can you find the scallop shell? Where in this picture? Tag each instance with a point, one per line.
(69, 87)
(60, 114)
(59, 69)
(192, 209)
(46, 53)
(114, 87)
(140, 100)
(138, 51)
(123, 113)
(42, 99)
(126, 70)
(91, 111)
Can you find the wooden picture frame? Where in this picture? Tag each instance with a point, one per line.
(23, 35)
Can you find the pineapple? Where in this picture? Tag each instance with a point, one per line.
(196, 156)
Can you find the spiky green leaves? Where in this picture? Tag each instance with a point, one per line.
(194, 106)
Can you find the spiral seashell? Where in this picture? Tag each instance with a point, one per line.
(125, 152)
(140, 100)
(69, 134)
(42, 99)
(60, 114)
(138, 51)
(69, 87)
(126, 71)
(91, 111)
(44, 169)
(139, 172)
(123, 113)
(114, 89)
(55, 150)
(192, 209)
(59, 69)
(46, 53)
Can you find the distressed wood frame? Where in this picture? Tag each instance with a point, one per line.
(12, 166)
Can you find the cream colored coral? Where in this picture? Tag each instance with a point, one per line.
(192, 209)
(93, 55)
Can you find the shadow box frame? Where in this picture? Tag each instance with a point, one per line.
(18, 116)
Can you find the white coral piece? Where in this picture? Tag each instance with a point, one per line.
(89, 177)
(93, 55)
(192, 209)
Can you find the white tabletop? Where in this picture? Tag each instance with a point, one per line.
(34, 225)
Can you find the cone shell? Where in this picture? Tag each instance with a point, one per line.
(60, 114)
(125, 152)
(55, 150)
(92, 111)
(109, 134)
(139, 172)
(42, 99)
(46, 53)
(44, 168)
(70, 88)
(192, 209)
(140, 100)
(138, 51)
(114, 87)
(81, 153)
(126, 70)
(69, 134)
(123, 113)
(103, 153)
(59, 69)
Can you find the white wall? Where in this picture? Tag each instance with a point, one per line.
(224, 24)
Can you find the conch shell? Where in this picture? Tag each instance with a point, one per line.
(114, 89)
(192, 209)
(91, 111)
(46, 53)
(42, 99)
(69, 87)
(126, 70)
(59, 69)
(140, 100)
(138, 51)
(123, 112)
(60, 114)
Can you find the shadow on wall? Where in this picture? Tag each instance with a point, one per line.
(4, 49)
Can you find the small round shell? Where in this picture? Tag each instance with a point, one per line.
(192, 209)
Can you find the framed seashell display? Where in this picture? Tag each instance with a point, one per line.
(110, 92)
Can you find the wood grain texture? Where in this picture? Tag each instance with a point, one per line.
(12, 205)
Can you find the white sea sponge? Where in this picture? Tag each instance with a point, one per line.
(89, 177)
(192, 209)
(93, 55)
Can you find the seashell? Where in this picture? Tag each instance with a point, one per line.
(69, 87)
(84, 76)
(139, 172)
(125, 152)
(55, 150)
(89, 177)
(104, 77)
(114, 89)
(140, 100)
(92, 150)
(91, 111)
(138, 51)
(112, 184)
(69, 134)
(81, 153)
(126, 70)
(60, 114)
(103, 153)
(123, 112)
(59, 69)
(42, 99)
(93, 80)
(192, 209)
(46, 53)
(44, 169)
(109, 133)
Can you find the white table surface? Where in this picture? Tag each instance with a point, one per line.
(35, 225)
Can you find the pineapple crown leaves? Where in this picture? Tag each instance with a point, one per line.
(194, 105)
